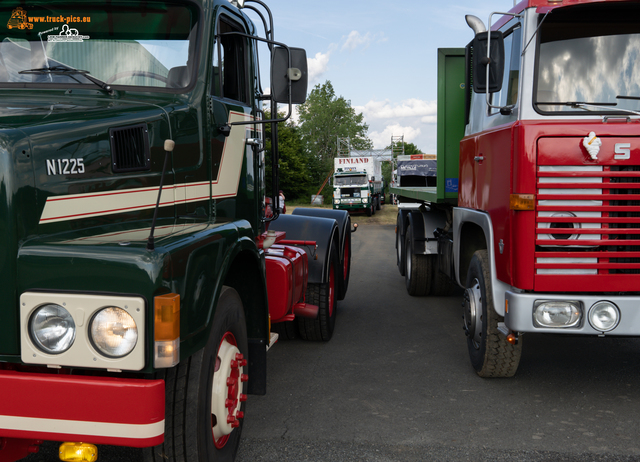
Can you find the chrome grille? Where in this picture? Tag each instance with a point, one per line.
(588, 220)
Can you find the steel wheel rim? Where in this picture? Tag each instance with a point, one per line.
(226, 390)
(473, 313)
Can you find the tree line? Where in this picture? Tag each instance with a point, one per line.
(307, 148)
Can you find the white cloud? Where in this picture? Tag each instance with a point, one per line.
(413, 118)
(356, 40)
(382, 139)
(425, 110)
(318, 65)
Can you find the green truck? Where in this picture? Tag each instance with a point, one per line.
(357, 184)
(142, 264)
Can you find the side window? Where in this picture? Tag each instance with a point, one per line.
(229, 78)
(508, 96)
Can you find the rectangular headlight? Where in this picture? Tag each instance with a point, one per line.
(557, 313)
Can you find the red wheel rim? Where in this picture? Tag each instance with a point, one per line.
(227, 390)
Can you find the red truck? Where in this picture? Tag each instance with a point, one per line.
(536, 210)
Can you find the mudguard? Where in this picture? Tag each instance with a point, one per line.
(306, 228)
(344, 229)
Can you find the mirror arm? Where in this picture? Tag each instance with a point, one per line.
(488, 58)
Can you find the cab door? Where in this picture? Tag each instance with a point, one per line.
(233, 180)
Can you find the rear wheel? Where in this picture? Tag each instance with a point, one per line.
(323, 295)
(346, 261)
(417, 269)
(378, 203)
(400, 255)
(286, 330)
(206, 394)
(490, 353)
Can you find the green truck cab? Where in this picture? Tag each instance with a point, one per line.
(140, 258)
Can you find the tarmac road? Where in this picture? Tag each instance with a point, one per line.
(395, 384)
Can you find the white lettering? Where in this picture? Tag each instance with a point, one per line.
(51, 167)
(624, 151)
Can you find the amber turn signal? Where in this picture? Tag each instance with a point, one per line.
(522, 202)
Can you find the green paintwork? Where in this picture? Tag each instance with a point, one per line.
(198, 244)
(450, 128)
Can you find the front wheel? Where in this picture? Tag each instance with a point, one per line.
(206, 394)
(490, 353)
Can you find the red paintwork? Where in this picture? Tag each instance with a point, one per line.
(68, 397)
(12, 449)
(287, 272)
(486, 186)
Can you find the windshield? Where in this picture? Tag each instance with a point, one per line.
(140, 43)
(589, 54)
(353, 180)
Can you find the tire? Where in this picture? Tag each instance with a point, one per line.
(373, 207)
(191, 428)
(378, 203)
(417, 275)
(441, 284)
(323, 295)
(369, 211)
(400, 254)
(346, 261)
(286, 330)
(490, 353)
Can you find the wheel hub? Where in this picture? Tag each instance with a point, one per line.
(226, 396)
(472, 310)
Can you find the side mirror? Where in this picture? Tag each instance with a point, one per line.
(495, 62)
(283, 71)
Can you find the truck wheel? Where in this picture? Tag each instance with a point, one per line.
(369, 211)
(346, 260)
(441, 284)
(400, 254)
(205, 394)
(373, 207)
(323, 295)
(377, 203)
(286, 330)
(490, 353)
(417, 275)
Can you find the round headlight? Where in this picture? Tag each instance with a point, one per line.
(604, 316)
(52, 329)
(114, 332)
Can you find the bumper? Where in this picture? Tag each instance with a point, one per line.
(354, 206)
(519, 317)
(98, 410)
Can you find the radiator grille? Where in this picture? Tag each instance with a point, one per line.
(588, 220)
(130, 148)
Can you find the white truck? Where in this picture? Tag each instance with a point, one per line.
(357, 184)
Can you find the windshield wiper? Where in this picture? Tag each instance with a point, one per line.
(62, 70)
(591, 106)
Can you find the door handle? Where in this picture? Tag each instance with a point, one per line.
(478, 159)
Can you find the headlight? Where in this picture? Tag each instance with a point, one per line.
(113, 332)
(337, 201)
(52, 329)
(604, 316)
(556, 313)
(364, 201)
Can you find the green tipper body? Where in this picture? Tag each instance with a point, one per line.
(452, 93)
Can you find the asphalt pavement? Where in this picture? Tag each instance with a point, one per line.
(395, 384)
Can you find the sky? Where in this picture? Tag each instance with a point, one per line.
(382, 56)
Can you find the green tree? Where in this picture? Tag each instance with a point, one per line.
(294, 174)
(324, 118)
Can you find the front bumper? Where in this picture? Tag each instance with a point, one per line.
(519, 316)
(98, 410)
